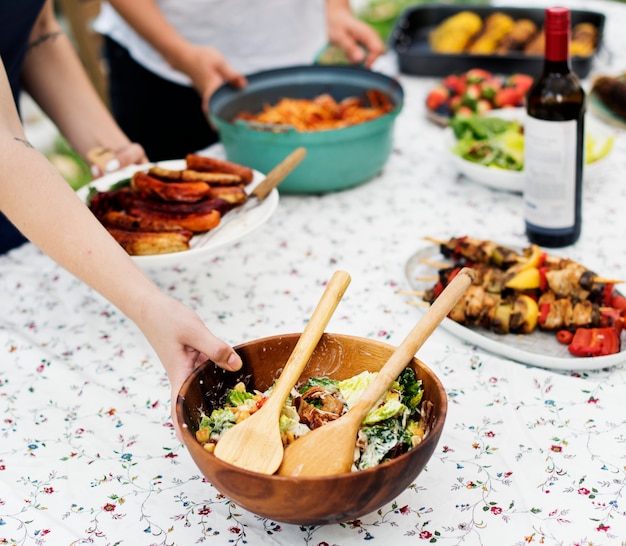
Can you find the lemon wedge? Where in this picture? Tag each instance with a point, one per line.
(597, 149)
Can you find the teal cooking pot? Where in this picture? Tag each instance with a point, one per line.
(336, 159)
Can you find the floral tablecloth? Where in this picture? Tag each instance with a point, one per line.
(528, 455)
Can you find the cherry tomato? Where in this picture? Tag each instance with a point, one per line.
(564, 336)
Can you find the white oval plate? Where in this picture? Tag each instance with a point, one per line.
(232, 231)
(537, 349)
(513, 181)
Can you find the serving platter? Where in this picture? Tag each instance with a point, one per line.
(224, 235)
(539, 348)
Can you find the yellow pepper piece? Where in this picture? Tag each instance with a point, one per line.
(533, 259)
(526, 279)
(529, 310)
(502, 318)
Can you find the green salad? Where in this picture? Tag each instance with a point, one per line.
(499, 143)
(393, 427)
(489, 141)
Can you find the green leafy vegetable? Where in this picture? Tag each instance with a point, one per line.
(479, 127)
(489, 141)
(219, 421)
(236, 397)
(411, 389)
(380, 440)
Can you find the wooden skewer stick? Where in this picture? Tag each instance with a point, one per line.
(434, 241)
(427, 278)
(410, 292)
(602, 280)
(438, 265)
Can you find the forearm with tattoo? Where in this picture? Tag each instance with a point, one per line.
(24, 142)
(44, 38)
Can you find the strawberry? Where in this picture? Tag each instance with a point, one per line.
(477, 75)
(509, 97)
(455, 84)
(489, 88)
(455, 103)
(473, 92)
(483, 106)
(523, 82)
(438, 96)
(464, 111)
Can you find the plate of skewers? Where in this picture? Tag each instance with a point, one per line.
(525, 304)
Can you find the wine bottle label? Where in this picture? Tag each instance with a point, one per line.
(550, 149)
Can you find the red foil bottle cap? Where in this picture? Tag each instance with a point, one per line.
(557, 31)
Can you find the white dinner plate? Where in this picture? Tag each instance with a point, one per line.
(513, 181)
(538, 348)
(202, 244)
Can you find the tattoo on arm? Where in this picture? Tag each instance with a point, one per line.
(44, 38)
(24, 142)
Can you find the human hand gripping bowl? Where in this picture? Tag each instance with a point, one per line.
(329, 449)
(255, 443)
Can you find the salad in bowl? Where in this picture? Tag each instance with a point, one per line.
(489, 149)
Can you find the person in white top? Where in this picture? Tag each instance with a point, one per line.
(166, 57)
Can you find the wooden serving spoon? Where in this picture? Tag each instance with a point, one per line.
(255, 443)
(329, 449)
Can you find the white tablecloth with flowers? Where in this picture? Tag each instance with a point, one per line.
(528, 455)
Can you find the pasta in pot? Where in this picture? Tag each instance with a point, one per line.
(322, 112)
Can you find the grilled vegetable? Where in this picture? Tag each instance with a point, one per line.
(210, 164)
(584, 40)
(455, 33)
(496, 27)
(169, 191)
(595, 342)
(522, 32)
(141, 243)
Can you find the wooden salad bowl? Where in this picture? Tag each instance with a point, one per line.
(305, 500)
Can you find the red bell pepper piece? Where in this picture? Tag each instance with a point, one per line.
(544, 310)
(543, 281)
(607, 294)
(594, 342)
(438, 289)
(612, 317)
(618, 302)
(453, 274)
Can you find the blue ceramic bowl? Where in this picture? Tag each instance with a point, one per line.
(336, 159)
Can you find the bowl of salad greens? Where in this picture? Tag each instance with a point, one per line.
(394, 443)
(489, 148)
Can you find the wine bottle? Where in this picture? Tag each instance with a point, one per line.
(554, 142)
